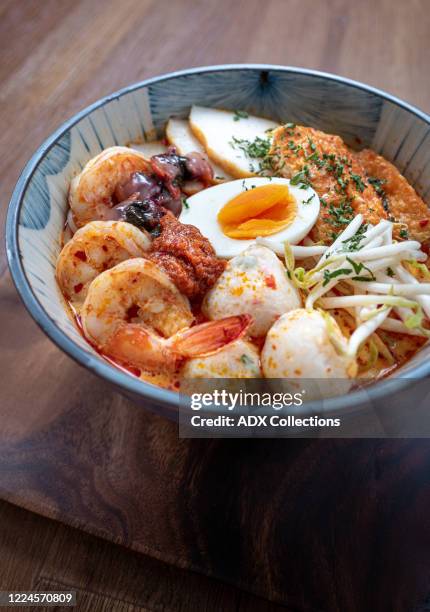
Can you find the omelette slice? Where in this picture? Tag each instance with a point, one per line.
(400, 200)
(324, 162)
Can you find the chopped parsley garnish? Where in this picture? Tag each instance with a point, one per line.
(313, 157)
(300, 177)
(404, 233)
(338, 169)
(257, 149)
(309, 200)
(342, 183)
(390, 272)
(377, 185)
(386, 207)
(342, 214)
(329, 275)
(353, 243)
(246, 360)
(247, 188)
(358, 267)
(293, 147)
(358, 182)
(185, 203)
(260, 147)
(240, 115)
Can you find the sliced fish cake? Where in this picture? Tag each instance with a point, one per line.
(401, 201)
(227, 137)
(180, 135)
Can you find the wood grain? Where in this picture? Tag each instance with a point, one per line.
(320, 525)
(44, 555)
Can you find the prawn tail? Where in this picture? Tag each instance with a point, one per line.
(209, 338)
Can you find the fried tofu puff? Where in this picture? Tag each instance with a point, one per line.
(239, 360)
(325, 162)
(254, 282)
(402, 202)
(303, 344)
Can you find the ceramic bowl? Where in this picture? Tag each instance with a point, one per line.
(362, 115)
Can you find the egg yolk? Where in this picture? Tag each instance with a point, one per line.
(261, 211)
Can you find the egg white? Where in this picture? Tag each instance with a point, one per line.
(203, 207)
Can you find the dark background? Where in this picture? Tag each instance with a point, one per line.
(58, 422)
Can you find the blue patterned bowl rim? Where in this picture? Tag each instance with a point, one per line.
(129, 384)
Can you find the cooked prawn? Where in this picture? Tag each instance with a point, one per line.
(135, 314)
(91, 192)
(97, 246)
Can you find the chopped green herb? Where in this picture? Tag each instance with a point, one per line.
(338, 169)
(353, 243)
(404, 233)
(390, 272)
(185, 203)
(377, 185)
(358, 182)
(329, 275)
(246, 360)
(309, 200)
(386, 206)
(300, 177)
(240, 115)
(342, 183)
(258, 148)
(313, 157)
(342, 214)
(358, 267)
(293, 147)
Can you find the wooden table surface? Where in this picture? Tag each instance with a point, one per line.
(355, 533)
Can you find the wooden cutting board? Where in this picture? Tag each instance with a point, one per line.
(315, 523)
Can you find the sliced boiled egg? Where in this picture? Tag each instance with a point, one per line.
(232, 215)
(226, 137)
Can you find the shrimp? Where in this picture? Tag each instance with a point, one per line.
(97, 246)
(133, 313)
(91, 192)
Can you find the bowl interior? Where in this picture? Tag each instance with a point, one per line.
(362, 116)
